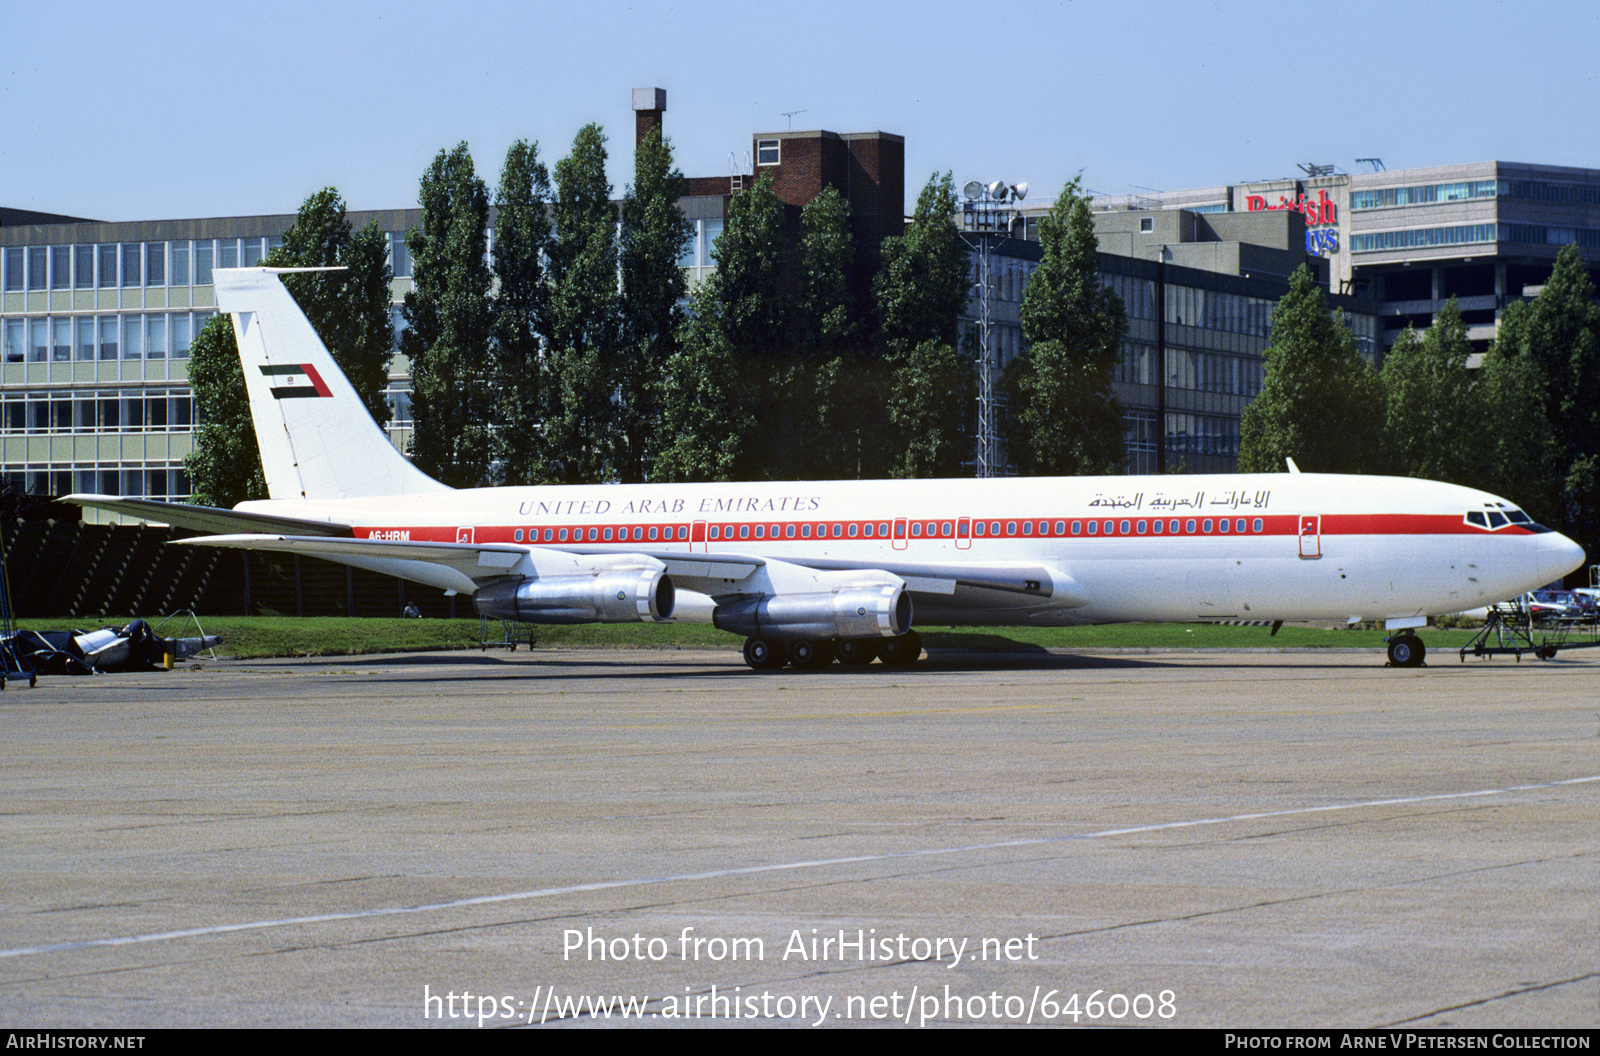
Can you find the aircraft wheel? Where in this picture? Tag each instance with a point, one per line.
(856, 651)
(763, 655)
(1406, 650)
(902, 649)
(811, 655)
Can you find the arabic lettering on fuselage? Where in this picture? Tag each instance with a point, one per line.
(1234, 500)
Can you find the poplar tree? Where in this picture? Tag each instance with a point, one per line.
(710, 393)
(349, 309)
(521, 243)
(1558, 338)
(584, 325)
(654, 232)
(224, 465)
(1062, 417)
(450, 325)
(1432, 418)
(931, 388)
(1320, 403)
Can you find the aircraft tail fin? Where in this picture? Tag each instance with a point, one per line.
(316, 438)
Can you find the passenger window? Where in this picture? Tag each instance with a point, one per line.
(1125, 527)
(788, 532)
(1094, 527)
(744, 531)
(1206, 526)
(1077, 527)
(1061, 527)
(805, 531)
(916, 528)
(518, 536)
(1256, 525)
(608, 535)
(1222, 525)
(1141, 527)
(1188, 525)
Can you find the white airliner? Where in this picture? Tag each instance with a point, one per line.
(810, 572)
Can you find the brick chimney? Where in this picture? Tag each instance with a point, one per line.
(648, 106)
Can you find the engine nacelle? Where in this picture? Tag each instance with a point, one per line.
(853, 612)
(627, 595)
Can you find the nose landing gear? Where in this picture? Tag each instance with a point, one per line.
(1406, 650)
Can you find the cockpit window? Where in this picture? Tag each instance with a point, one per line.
(1476, 517)
(1496, 519)
(1518, 517)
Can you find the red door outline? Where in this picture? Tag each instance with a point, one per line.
(1310, 535)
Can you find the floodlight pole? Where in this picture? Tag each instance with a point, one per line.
(986, 215)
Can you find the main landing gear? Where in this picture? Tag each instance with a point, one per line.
(1406, 650)
(764, 654)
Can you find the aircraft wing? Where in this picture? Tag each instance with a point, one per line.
(207, 518)
(463, 567)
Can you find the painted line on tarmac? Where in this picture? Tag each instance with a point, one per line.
(753, 870)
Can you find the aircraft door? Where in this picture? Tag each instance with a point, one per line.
(697, 536)
(899, 533)
(963, 533)
(1310, 535)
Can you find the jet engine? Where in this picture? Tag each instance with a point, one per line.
(865, 611)
(628, 595)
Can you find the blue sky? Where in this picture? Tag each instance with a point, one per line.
(143, 110)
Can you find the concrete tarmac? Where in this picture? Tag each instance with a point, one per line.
(1295, 839)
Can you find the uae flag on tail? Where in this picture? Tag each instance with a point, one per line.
(292, 381)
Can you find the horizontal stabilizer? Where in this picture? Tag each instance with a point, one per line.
(206, 518)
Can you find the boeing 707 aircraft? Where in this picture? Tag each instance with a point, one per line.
(813, 572)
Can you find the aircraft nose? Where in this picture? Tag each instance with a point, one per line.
(1558, 555)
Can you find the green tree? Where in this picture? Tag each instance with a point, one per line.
(521, 243)
(584, 324)
(224, 465)
(349, 309)
(1432, 418)
(1558, 335)
(933, 390)
(921, 286)
(654, 232)
(715, 380)
(1320, 403)
(931, 384)
(450, 325)
(1062, 417)
(1518, 453)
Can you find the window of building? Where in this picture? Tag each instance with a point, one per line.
(767, 151)
(13, 269)
(37, 269)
